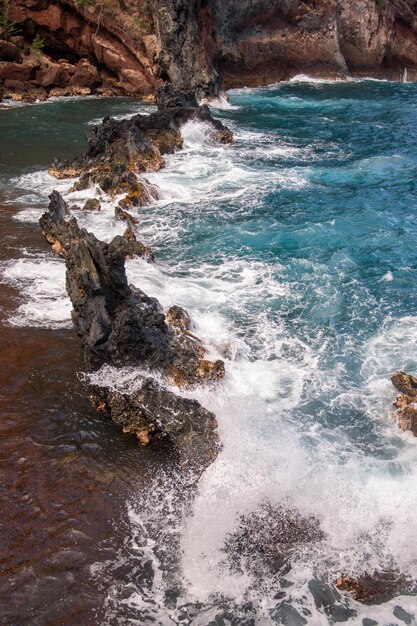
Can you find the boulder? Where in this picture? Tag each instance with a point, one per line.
(16, 85)
(9, 52)
(16, 71)
(124, 216)
(178, 319)
(85, 75)
(57, 76)
(406, 403)
(131, 248)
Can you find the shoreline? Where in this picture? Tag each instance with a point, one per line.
(13, 99)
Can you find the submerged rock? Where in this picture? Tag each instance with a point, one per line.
(406, 403)
(120, 325)
(375, 588)
(267, 538)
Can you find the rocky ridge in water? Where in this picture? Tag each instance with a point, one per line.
(118, 324)
(119, 151)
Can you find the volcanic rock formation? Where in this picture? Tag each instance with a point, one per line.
(376, 588)
(119, 150)
(119, 325)
(134, 46)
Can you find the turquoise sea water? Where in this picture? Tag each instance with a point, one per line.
(294, 252)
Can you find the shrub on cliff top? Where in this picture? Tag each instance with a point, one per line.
(37, 46)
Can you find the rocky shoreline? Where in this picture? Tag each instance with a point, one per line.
(118, 324)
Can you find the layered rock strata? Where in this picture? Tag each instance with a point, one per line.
(106, 46)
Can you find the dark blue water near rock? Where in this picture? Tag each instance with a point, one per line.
(294, 252)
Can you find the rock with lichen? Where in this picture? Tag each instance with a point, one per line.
(406, 402)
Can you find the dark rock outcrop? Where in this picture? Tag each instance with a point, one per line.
(120, 325)
(376, 588)
(406, 403)
(120, 150)
(92, 204)
(155, 414)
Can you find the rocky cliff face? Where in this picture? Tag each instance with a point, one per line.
(135, 45)
(267, 40)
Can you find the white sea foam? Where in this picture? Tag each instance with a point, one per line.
(141, 108)
(303, 78)
(221, 103)
(40, 280)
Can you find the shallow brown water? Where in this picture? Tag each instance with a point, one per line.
(65, 471)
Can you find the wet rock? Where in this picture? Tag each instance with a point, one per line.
(406, 403)
(178, 319)
(83, 183)
(328, 600)
(153, 413)
(375, 588)
(120, 325)
(92, 204)
(119, 150)
(124, 216)
(405, 383)
(131, 248)
(139, 194)
(63, 169)
(268, 537)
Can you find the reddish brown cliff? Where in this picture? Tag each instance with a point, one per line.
(132, 46)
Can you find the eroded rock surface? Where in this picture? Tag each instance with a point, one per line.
(120, 150)
(120, 325)
(406, 403)
(134, 47)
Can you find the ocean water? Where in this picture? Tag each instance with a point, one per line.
(294, 252)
